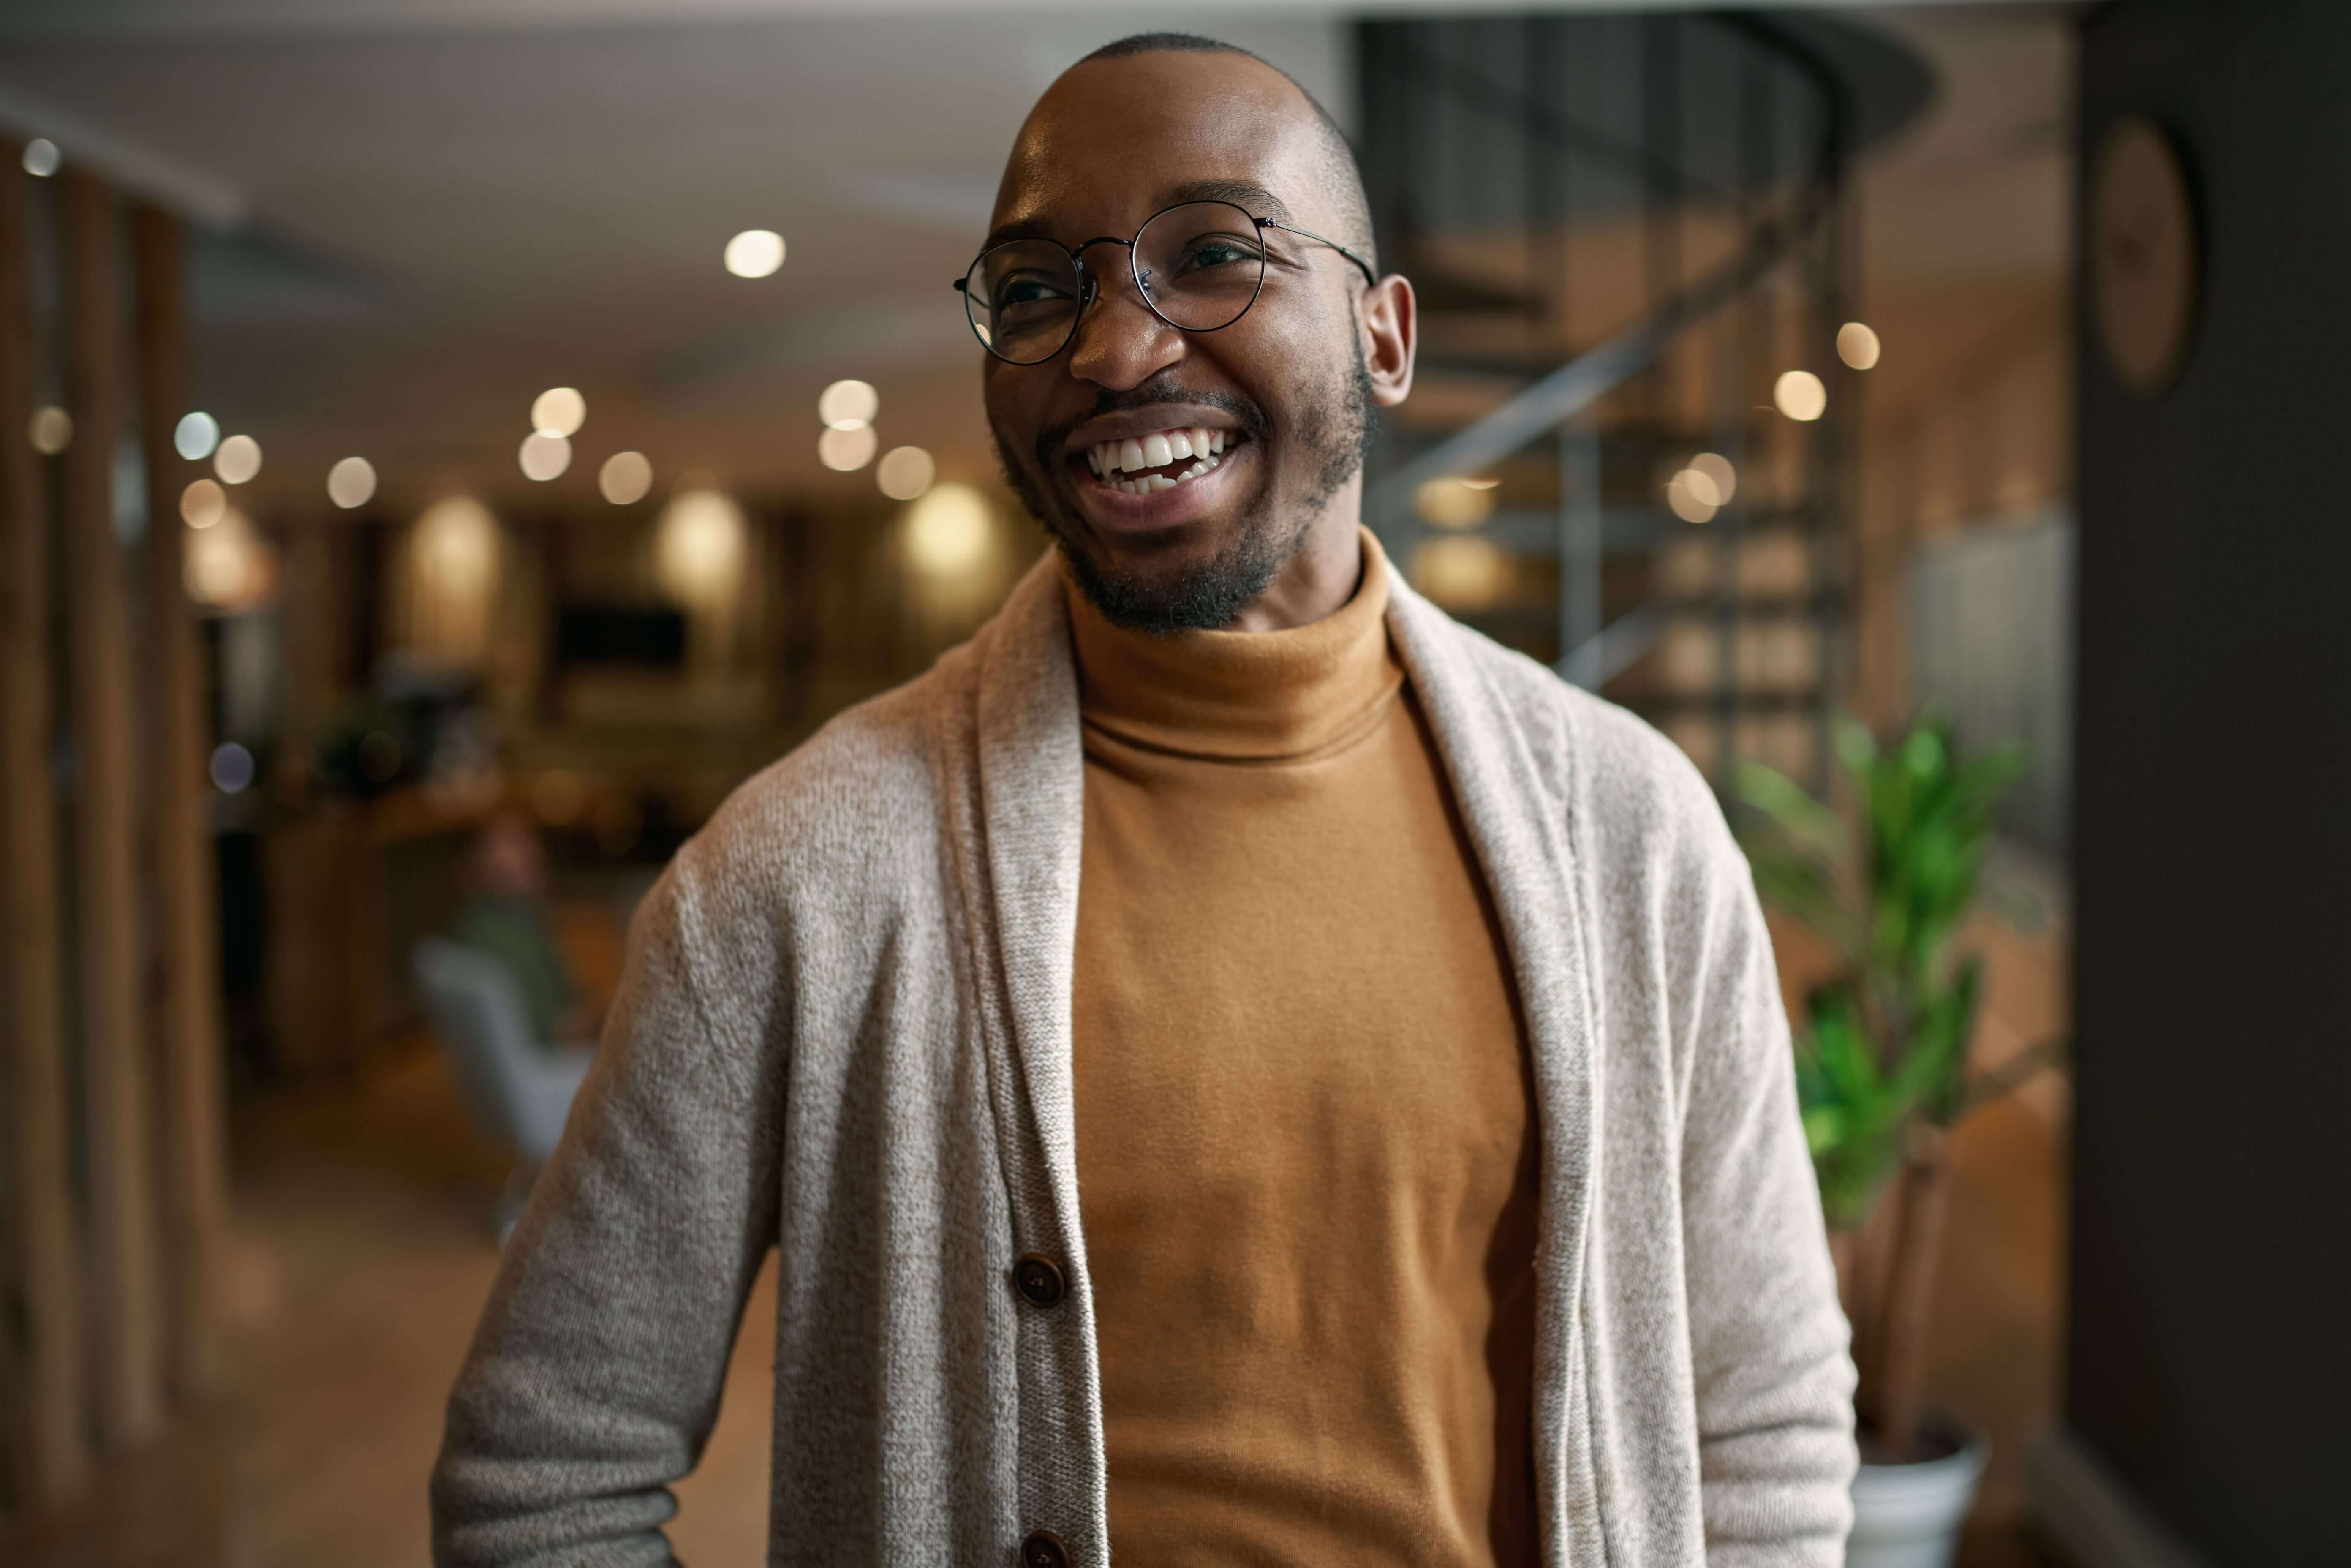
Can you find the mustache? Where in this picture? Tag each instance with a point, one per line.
(1163, 388)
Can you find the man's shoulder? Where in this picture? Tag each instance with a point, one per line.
(1637, 792)
(867, 786)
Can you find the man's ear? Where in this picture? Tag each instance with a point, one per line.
(1391, 327)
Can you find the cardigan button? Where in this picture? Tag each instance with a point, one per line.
(1039, 1279)
(1043, 1549)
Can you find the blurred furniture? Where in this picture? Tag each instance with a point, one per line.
(517, 1089)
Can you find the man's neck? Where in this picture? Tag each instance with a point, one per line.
(1315, 582)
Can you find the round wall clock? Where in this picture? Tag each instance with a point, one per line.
(2143, 254)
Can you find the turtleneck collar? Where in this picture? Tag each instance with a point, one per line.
(1241, 696)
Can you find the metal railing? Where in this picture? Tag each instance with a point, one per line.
(1789, 224)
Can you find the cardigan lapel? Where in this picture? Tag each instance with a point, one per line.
(1511, 786)
(1031, 779)
(1032, 813)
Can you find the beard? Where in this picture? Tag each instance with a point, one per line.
(1333, 427)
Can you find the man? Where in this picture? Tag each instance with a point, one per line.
(506, 916)
(1236, 1067)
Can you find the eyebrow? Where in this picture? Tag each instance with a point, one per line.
(1260, 201)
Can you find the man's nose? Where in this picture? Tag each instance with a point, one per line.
(1120, 343)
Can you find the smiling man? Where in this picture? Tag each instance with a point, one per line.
(1235, 1067)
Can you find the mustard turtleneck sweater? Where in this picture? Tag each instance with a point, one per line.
(1306, 1159)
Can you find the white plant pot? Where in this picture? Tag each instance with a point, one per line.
(1908, 1516)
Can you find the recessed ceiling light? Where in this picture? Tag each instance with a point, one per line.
(848, 449)
(625, 478)
(1800, 396)
(558, 411)
(905, 473)
(754, 252)
(350, 482)
(202, 503)
(237, 459)
(845, 405)
(195, 436)
(1857, 346)
(1717, 470)
(544, 456)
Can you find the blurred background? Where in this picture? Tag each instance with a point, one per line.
(446, 447)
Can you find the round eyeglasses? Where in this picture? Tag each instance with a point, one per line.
(1199, 265)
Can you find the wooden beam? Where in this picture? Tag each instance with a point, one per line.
(48, 1425)
(125, 1305)
(187, 999)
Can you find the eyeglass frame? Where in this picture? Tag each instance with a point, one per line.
(1090, 284)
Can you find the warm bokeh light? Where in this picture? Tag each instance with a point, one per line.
(226, 566)
(1801, 395)
(1466, 573)
(231, 767)
(544, 456)
(754, 252)
(1690, 496)
(195, 436)
(457, 544)
(699, 550)
(558, 411)
(847, 449)
(845, 405)
(202, 503)
(41, 157)
(237, 459)
(1718, 472)
(1453, 503)
(352, 483)
(625, 478)
(947, 531)
(905, 473)
(1482, 483)
(1857, 346)
(51, 431)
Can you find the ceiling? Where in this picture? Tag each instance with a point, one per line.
(418, 214)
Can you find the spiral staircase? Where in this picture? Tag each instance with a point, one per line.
(1625, 232)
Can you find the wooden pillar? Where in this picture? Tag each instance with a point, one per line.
(49, 1423)
(125, 1277)
(186, 996)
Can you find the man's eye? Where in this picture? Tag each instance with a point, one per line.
(1217, 253)
(1025, 291)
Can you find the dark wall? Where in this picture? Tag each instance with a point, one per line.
(2212, 1204)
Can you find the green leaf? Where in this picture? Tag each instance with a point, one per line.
(1789, 808)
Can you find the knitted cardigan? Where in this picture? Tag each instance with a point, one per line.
(843, 1032)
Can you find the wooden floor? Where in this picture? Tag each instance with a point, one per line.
(366, 1253)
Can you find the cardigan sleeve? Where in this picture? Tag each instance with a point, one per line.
(595, 1375)
(1770, 1345)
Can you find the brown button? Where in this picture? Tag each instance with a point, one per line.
(1039, 1279)
(1043, 1549)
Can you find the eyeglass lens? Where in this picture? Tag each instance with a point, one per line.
(1200, 265)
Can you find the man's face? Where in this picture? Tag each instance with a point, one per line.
(1283, 394)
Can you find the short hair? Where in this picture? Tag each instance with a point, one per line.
(1338, 155)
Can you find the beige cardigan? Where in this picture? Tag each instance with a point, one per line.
(844, 1033)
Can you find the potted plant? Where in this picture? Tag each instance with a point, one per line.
(1882, 1075)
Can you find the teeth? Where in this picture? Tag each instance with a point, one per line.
(1109, 459)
